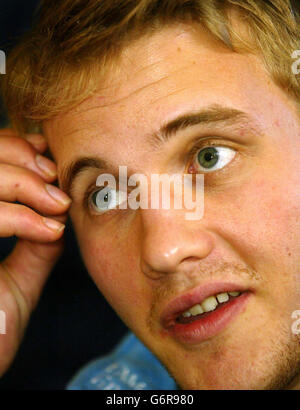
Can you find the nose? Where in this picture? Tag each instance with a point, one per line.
(170, 242)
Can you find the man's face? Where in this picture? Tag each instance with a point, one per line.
(152, 265)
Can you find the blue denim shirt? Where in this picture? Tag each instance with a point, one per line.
(130, 366)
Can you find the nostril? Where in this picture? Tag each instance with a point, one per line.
(190, 259)
(151, 273)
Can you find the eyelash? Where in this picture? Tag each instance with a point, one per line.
(189, 159)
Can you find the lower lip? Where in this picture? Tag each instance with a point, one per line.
(210, 325)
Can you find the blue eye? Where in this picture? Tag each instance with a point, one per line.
(214, 158)
(106, 199)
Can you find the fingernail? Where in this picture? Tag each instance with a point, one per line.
(45, 165)
(57, 194)
(53, 224)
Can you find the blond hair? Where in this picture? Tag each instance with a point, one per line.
(59, 63)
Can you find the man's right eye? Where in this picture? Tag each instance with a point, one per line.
(105, 199)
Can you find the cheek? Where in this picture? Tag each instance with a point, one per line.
(105, 260)
(263, 213)
(112, 264)
(273, 215)
(263, 228)
(261, 225)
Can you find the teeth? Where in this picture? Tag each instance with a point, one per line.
(196, 310)
(187, 314)
(222, 297)
(209, 304)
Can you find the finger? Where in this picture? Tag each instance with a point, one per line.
(21, 185)
(18, 151)
(38, 141)
(23, 222)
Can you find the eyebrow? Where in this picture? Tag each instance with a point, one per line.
(212, 115)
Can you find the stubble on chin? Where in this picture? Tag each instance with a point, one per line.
(279, 370)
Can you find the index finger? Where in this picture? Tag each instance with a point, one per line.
(38, 141)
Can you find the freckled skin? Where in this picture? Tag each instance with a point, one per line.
(250, 232)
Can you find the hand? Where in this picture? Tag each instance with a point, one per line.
(26, 177)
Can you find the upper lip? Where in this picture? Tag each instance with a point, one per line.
(193, 297)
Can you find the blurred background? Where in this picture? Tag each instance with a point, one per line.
(73, 323)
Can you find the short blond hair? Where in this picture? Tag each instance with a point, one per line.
(59, 63)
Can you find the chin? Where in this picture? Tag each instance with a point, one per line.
(250, 378)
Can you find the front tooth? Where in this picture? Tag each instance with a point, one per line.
(209, 304)
(234, 293)
(196, 310)
(222, 297)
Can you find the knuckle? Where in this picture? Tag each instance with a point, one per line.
(19, 144)
(25, 148)
(25, 213)
(28, 221)
(21, 175)
(31, 177)
(18, 219)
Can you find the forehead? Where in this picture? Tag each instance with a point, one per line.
(176, 70)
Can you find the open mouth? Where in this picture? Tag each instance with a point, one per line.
(210, 304)
(204, 312)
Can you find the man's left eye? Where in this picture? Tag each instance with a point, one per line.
(213, 158)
